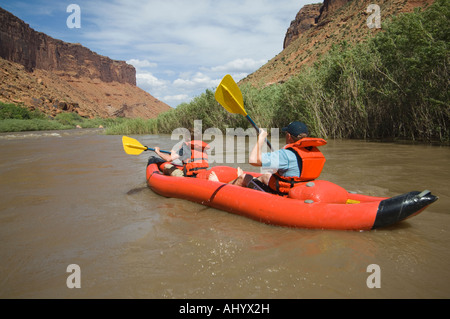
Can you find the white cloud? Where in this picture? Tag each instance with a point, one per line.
(179, 48)
(180, 98)
(140, 64)
(240, 65)
(191, 45)
(148, 79)
(197, 80)
(152, 84)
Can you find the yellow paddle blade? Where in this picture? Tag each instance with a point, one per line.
(132, 146)
(230, 97)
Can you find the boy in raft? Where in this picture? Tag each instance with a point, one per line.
(193, 156)
(299, 161)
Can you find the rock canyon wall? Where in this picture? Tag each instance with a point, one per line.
(54, 76)
(317, 27)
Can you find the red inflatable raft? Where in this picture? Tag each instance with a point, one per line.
(318, 204)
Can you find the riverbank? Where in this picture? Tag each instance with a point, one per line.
(18, 122)
(392, 87)
(17, 118)
(51, 134)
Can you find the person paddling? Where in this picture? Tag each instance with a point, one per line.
(193, 156)
(299, 161)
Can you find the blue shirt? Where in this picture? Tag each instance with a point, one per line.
(184, 152)
(284, 161)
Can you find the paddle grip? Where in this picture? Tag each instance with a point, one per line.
(258, 130)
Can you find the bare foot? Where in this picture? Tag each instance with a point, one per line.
(239, 171)
(213, 177)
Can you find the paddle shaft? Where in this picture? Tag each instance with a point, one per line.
(152, 149)
(143, 148)
(257, 129)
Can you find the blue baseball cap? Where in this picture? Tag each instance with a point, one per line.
(296, 128)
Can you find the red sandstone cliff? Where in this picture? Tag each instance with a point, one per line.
(305, 19)
(329, 7)
(54, 76)
(310, 16)
(317, 27)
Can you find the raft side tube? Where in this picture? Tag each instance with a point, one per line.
(398, 208)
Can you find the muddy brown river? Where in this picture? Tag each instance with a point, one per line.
(75, 198)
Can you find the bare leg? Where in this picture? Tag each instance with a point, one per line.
(264, 178)
(172, 170)
(239, 179)
(243, 179)
(213, 176)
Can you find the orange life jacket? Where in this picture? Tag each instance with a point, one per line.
(310, 163)
(198, 160)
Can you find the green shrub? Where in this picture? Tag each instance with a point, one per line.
(72, 119)
(12, 111)
(132, 127)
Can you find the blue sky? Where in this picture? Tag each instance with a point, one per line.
(179, 48)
